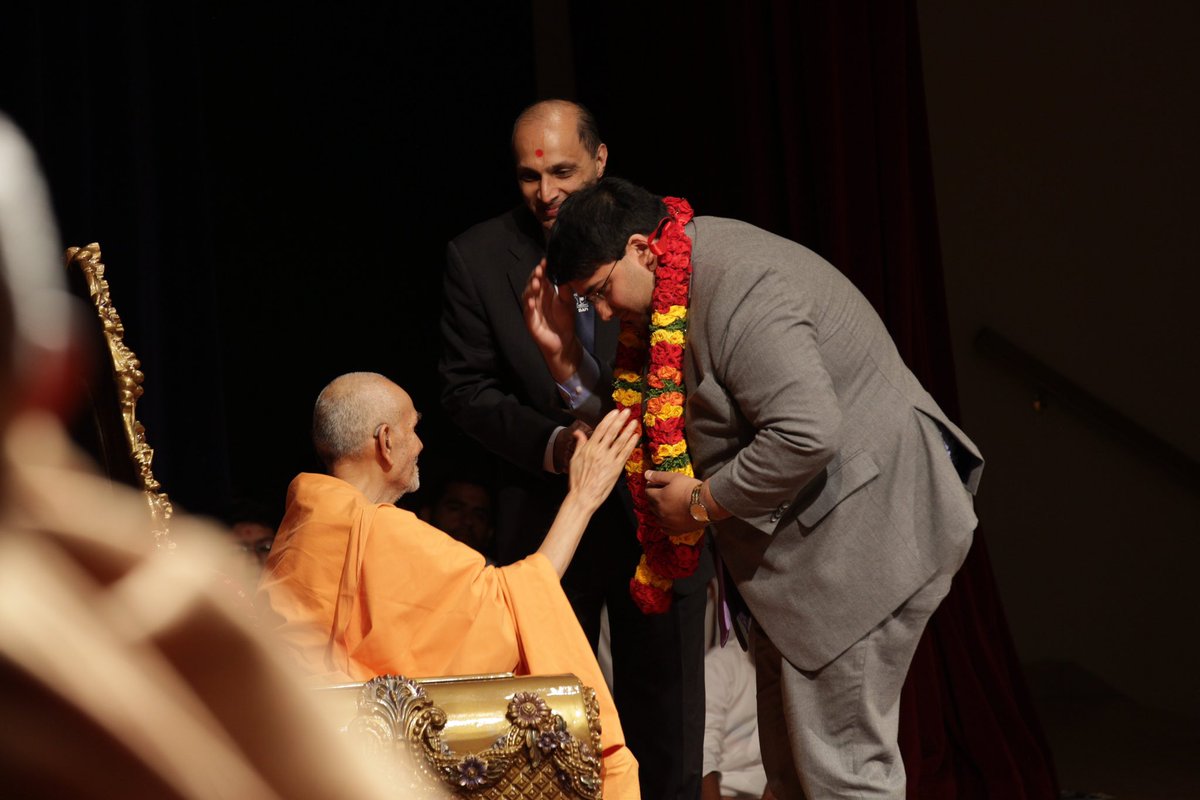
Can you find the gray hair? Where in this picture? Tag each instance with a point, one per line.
(348, 412)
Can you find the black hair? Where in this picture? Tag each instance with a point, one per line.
(589, 131)
(594, 225)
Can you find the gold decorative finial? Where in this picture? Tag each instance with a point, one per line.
(128, 376)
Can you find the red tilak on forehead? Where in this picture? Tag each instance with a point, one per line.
(538, 152)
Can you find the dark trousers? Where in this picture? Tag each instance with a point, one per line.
(657, 660)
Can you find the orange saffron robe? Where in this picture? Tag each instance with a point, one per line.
(366, 589)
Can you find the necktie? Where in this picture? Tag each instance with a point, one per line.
(585, 325)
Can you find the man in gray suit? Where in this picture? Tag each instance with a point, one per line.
(840, 494)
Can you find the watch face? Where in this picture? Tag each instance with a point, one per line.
(697, 509)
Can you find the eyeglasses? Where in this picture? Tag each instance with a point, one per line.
(598, 294)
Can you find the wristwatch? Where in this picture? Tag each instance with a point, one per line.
(698, 509)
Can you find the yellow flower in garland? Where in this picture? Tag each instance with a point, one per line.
(627, 398)
(625, 376)
(646, 575)
(669, 336)
(670, 412)
(666, 451)
(670, 317)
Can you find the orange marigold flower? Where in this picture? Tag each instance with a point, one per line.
(688, 538)
(668, 374)
(655, 405)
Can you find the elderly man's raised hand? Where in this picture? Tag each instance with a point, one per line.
(550, 318)
(594, 468)
(598, 461)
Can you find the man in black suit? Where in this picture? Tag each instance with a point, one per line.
(498, 389)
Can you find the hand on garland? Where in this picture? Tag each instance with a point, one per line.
(670, 498)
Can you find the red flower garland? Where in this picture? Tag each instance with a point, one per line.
(649, 369)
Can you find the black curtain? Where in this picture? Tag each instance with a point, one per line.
(272, 186)
(808, 119)
(112, 97)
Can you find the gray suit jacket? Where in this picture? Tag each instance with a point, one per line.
(813, 433)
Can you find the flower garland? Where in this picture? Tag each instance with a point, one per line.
(649, 370)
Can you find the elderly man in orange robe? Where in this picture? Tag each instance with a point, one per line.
(363, 588)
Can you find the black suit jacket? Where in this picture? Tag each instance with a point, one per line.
(497, 387)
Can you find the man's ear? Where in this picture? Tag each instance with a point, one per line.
(601, 159)
(383, 446)
(639, 244)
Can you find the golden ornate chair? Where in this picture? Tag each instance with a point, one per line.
(111, 431)
(485, 736)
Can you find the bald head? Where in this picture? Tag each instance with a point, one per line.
(566, 112)
(349, 410)
(365, 430)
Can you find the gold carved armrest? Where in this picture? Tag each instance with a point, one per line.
(127, 376)
(489, 736)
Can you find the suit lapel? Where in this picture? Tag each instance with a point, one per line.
(526, 248)
(526, 252)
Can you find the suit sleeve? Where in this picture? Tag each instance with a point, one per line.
(475, 394)
(769, 363)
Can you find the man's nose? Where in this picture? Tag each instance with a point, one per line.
(547, 189)
(603, 311)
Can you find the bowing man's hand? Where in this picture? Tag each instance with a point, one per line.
(599, 460)
(670, 498)
(550, 319)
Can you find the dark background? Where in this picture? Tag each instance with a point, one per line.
(273, 187)
(272, 191)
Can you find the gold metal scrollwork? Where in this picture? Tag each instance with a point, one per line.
(536, 758)
(128, 376)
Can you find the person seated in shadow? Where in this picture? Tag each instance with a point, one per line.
(357, 587)
(462, 507)
(253, 527)
(122, 671)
